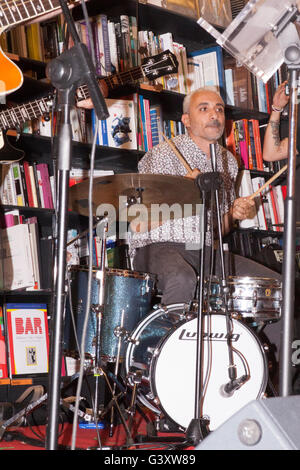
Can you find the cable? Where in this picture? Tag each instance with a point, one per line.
(88, 303)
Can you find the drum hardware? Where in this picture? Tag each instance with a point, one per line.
(120, 329)
(98, 311)
(131, 410)
(114, 402)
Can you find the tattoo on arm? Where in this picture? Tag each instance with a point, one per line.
(275, 132)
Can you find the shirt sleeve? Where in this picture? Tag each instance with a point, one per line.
(159, 160)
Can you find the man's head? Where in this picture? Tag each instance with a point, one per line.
(204, 115)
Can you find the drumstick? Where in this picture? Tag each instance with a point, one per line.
(178, 154)
(259, 190)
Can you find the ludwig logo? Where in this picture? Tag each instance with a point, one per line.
(187, 335)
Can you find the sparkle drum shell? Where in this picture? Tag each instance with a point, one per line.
(127, 296)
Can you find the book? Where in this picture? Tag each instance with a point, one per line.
(121, 128)
(3, 351)
(258, 183)
(244, 189)
(28, 338)
(17, 258)
(16, 174)
(45, 188)
(211, 60)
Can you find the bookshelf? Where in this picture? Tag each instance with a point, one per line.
(38, 148)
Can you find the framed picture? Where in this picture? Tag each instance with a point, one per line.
(216, 12)
(27, 338)
(184, 7)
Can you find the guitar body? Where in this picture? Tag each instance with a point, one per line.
(8, 153)
(11, 76)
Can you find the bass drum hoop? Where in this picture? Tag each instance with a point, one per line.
(158, 407)
(156, 312)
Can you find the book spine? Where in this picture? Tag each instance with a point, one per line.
(106, 45)
(45, 185)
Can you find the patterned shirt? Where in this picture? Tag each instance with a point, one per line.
(162, 160)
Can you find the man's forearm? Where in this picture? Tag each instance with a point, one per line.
(274, 148)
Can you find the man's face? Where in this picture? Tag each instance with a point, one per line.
(206, 116)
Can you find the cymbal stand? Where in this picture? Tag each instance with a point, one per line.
(117, 363)
(114, 402)
(98, 310)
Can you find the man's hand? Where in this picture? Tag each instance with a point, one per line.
(280, 99)
(193, 174)
(243, 208)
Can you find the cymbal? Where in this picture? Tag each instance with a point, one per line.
(125, 190)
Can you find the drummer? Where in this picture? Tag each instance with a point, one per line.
(169, 250)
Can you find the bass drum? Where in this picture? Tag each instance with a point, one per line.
(163, 349)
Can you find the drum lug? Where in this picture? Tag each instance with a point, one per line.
(131, 340)
(266, 347)
(255, 299)
(121, 332)
(145, 289)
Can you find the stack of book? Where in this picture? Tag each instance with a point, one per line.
(269, 214)
(24, 253)
(27, 184)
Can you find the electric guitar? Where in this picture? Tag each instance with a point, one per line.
(13, 13)
(153, 67)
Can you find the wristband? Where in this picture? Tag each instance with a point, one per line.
(277, 110)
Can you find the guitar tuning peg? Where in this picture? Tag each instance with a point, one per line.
(46, 117)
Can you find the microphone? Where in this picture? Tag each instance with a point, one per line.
(228, 389)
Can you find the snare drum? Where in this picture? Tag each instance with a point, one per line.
(127, 300)
(253, 298)
(163, 348)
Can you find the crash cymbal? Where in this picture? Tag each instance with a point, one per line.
(125, 190)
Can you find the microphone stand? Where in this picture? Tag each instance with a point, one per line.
(198, 427)
(67, 72)
(289, 241)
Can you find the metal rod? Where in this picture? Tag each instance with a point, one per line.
(289, 243)
(64, 158)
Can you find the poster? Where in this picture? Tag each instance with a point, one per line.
(28, 341)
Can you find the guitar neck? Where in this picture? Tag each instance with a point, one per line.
(113, 81)
(12, 118)
(163, 63)
(18, 11)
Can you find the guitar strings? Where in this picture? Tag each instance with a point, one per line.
(16, 6)
(33, 109)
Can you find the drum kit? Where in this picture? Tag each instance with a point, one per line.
(152, 347)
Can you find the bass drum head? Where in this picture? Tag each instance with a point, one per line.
(172, 370)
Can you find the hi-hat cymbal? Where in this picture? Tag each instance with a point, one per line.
(124, 190)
